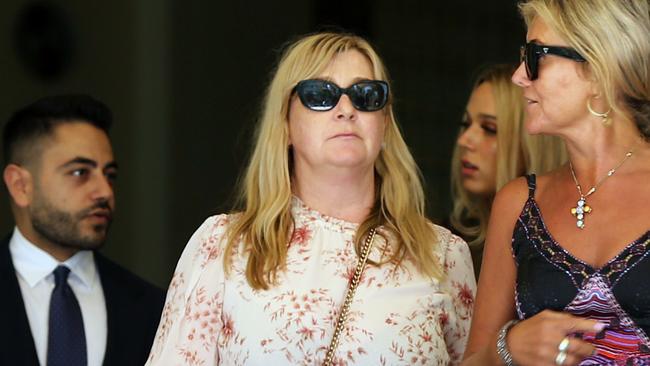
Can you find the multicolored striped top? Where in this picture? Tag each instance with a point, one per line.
(618, 293)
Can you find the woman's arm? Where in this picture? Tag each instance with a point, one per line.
(188, 329)
(495, 300)
(460, 284)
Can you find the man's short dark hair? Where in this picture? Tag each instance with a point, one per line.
(37, 120)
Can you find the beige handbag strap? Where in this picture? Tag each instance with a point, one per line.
(352, 288)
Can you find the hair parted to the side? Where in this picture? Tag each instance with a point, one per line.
(613, 37)
(264, 223)
(518, 153)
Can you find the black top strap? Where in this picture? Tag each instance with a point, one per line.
(532, 183)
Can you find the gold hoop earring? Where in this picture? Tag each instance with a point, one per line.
(605, 116)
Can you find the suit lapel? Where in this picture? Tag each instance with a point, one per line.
(117, 319)
(133, 310)
(16, 336)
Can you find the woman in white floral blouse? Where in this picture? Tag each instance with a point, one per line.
(265, 285)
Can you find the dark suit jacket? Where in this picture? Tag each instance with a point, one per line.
(133, 309)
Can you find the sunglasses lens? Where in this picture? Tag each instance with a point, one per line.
(369, 96)
(531, 61)
(318, 95)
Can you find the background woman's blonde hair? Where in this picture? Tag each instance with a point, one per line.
(518, 153)
(614, 37)
(265, 224)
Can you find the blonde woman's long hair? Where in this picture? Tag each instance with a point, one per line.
(613, 36)
(264, 224)
(518, 153)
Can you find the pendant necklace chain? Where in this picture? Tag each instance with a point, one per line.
(582, 208)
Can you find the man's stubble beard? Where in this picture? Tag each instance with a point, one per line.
(64, 228)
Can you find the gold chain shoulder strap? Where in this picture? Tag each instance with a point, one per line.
(352, 288)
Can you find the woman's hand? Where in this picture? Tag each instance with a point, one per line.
(536, 341)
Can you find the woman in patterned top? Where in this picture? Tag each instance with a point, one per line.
(573, 264)
(265, 284)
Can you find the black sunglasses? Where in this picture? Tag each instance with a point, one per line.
(531, 52)
(322, 95)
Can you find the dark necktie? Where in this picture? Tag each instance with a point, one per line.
(66, 344)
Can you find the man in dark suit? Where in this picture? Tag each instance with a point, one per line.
(63, 303)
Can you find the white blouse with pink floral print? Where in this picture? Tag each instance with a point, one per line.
(398, 317)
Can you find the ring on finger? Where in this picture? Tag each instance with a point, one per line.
(564, 344)
(559, 359)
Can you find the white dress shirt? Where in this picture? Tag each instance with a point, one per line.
(34, 271)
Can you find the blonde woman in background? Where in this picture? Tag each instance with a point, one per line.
(567, 256)
(492, 149)
(330, 176)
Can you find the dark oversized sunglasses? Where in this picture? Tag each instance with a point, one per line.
(531, 53)
(322, 95)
